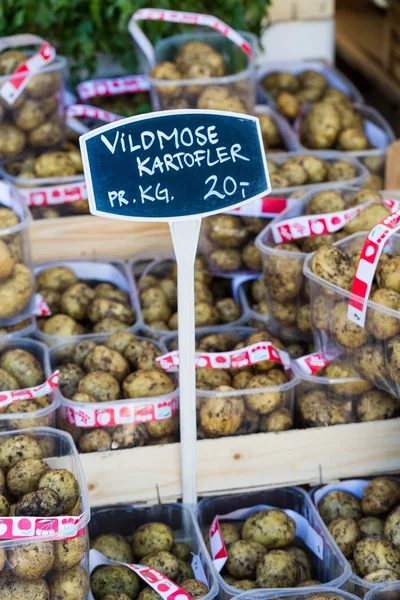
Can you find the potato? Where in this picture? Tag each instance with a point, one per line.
(221, 415)
(283, 274)
(17, 448)
(122, 596)
(387, 274)
(109, 361)
(167, 70)
(341, 171)
(72, 584)
(141, 354)
(69, 379)
(129, 436)
(58, 279)
(146, 384)
(370, 362)
(8, 381)
(372, 554)
(7, 262)
(107, 290)
(151, 538)
(68, 553)
(102, 386)
(4, 507)
(375, 405)
(13, 588)
(76, 300)
(277, 420)
(270, 527)
(31, 561)
(25, 475)
(323, 126)
(226, 260)
(326, 202)
(12, 142)
(22, 365)
(380, 324)
(181, 551)
(109, 325)
(15, 291)
(392, 527)
(288, 105)
(346, 332)
(263, 402)
(43, 503)
(353, 139)
(302, 560)
(277, 569)
(339, 504)
(61, 325)
(47, 134)
(346, 534)
(165, 428)
(65, 484)
(102, 308)
(120, 341)
(228, 310)
(380, 496)
(163, 561)
(243, 584)
(334, 266)
(240, 381)
(370, 216)
(196, 589)
(382, 575)
(114, 546)
(147, 593)
(95, 440)
(243, 557)
(371, 526)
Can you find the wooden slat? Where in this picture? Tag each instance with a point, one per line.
(295, 457)
(72, 237)
(288, 10)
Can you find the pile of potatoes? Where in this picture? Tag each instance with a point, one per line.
(304, 170)
(291, 92)
(122, 366)
(29, 487)
(33, 120)
(19, 369)
(80, 306)
(287, 290)
(227, 242)
(16, 279)
(263, 553)
(153, 545)
(321, 405)
(196, 60)
(271, 135)
(374, 349)
(66, 161)
(367, 530)
(258, 409)
(214, 304)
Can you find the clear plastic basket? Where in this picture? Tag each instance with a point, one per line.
(325, 401)
(126, 519)
(379, 134)
(283, 395)
(113, 420)
(43, 417)
(333, 570)
(36, 119)
(333, 76)
(359, 171)
(23, 327)
(370, 356)
(355, 584)
(385, 591)
(306, 594)
(36, 562)
(15, 307)
(159, 266)
(239, 82)
(107, 269)
(289, 266)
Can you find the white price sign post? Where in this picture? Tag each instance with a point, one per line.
(177, 166)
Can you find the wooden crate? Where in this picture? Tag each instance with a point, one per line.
(300, 10)
(308, 456)
(72, 237)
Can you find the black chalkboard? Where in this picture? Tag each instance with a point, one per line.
(174, 164)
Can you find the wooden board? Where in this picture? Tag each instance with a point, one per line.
(290, 10)
(72, 237)
(308, 456)
(360, 42)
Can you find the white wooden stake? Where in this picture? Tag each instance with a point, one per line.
(185, 237)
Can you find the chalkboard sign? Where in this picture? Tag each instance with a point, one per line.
(174, 165)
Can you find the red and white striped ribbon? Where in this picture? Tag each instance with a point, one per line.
(115, 86)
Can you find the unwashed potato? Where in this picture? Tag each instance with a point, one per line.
(269, 527)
